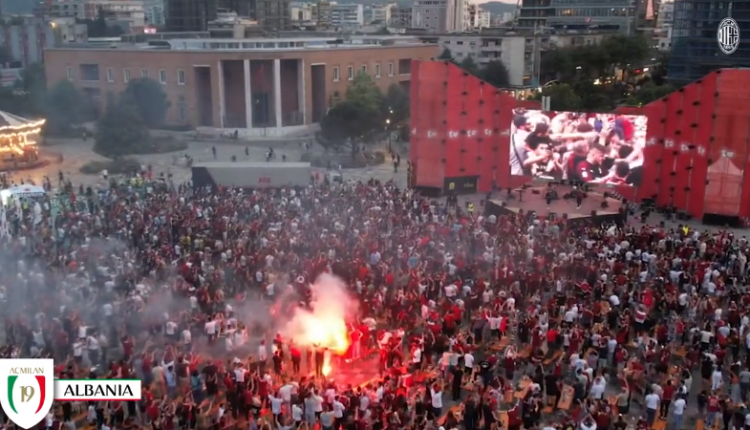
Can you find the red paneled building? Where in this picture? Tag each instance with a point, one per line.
(696, 155)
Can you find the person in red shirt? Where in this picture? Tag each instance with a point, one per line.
(514, 418)
(666, 399)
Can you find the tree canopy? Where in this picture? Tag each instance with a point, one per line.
(445, 55)
(469, 65)
(65, 106)
(606, 75)
(121, 130)
(149, 99)
(648, 93)
(562, 97)
(594, 61)
(495, 74)
(359, 115)
(364, 113)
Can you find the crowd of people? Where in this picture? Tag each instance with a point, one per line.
(582, 147)
(476, 321)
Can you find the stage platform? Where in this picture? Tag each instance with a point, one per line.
(533, 199)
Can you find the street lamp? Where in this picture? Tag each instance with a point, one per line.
(387, 128)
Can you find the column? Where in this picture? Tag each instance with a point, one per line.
(301, 89)
(248, 97)
(277, 91)
(222, 108)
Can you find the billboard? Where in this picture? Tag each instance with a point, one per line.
(587, 147)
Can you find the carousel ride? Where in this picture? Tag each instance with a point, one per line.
(18, 140)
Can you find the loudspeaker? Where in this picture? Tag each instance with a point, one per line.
(565, 216)
(593, 213)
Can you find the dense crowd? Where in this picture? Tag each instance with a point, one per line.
(474, 321)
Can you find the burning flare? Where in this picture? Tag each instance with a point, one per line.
(324, 325)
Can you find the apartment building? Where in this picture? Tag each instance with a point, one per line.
(347, 15)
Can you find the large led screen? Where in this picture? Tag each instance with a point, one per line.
(587, 147)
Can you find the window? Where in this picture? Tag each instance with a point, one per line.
(180, 77)
(377, 70)
(110, 75)
(163, 77)
(350, 73)
(391, 71)
(144, 73)
(182, 109)
(89, 72)
(126, 75)
(364, 69)
(404, 67)
(70, 73)
(336, 76)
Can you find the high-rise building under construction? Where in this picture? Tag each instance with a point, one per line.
(273, 14)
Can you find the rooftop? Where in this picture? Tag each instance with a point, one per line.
(258, 44)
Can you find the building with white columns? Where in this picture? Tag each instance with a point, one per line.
(258, 87)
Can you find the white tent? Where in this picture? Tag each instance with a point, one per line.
(8, 120)
(21, 191)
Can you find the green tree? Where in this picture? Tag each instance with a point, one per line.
(354, 121)
(562, 97)
(340, 125)
(594, 61)
(364, 93)
(496, 74)
(445, 55)
(396, 105)
(469, 65)
(65, 106)
(121, 130)
(31, 91)
(149, 99)
(648, 93)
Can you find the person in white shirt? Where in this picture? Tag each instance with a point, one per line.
(678, 409)
(437, 400)
(170, 329)
(262, 355)
(588, 423)
(276, 403)
(338, 413)
(717, 378)
(297, 415)
(652, 406)
(78, 351)
(187, 339)
(468, 363)
(598, 388)
(285, 392)
(93, 346)
(210, 328)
